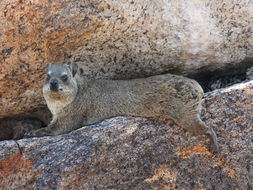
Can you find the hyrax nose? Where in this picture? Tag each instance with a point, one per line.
(54, 85)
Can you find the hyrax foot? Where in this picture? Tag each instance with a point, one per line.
(37, 133)
(213, 138)
(198, 127)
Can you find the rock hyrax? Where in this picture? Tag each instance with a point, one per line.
(75, 104)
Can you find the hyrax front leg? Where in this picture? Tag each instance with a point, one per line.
(58, 126)
(52, 129)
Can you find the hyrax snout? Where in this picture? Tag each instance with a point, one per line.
(54, 85)
(75, 104)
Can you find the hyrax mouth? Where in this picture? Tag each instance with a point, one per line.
(56, 95)
(54, 88)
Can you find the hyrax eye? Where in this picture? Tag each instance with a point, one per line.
(64, 78)
(48, 77)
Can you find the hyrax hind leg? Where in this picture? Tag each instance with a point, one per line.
(196, 126)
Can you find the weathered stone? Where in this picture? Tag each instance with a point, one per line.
(136, 153)
(116, 39)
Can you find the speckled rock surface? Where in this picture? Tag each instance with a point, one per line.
(116, 39)
(135, 153)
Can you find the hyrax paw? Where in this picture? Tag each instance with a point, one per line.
(215, 148)
(29, 134)
(34, 133)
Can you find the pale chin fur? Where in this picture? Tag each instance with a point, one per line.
(56, 102)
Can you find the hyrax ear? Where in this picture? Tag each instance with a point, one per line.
(73, 67)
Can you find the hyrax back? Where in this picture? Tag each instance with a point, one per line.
(74, 104)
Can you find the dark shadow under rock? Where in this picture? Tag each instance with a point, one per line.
(16, 127)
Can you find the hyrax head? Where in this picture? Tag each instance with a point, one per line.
(60, 83)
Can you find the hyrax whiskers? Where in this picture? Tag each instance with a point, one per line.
(75, 104)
